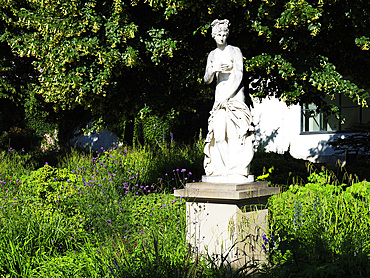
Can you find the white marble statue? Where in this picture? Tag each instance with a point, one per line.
(229, 143)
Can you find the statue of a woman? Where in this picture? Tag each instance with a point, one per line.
(229, 143)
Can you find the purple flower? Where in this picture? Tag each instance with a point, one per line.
(265, 243)
(112, 271)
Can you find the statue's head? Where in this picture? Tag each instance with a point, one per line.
(220, 26)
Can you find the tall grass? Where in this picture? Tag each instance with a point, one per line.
(112, 213)
(321, 229)
(96, 215)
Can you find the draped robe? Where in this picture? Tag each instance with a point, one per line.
(229, 142)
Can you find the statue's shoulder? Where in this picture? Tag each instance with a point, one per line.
(212, 53)
(235, 49)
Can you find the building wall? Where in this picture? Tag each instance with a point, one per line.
(278, 128)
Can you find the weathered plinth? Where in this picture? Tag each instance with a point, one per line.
(228, 219)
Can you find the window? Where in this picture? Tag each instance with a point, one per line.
(313, 121)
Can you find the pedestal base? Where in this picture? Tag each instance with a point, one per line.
(228, 219)
(228, 179)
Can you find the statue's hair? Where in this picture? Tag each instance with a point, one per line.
(218, 25)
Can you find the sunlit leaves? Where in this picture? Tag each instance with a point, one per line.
(160, 44)
(363, 42)
(274, 67)
(269, 63)
(310, 49)
(77, 48)
(325, 78)
(300, 13)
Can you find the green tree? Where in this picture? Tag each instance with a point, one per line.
(108, 57)
(300, 51)
(113, 58)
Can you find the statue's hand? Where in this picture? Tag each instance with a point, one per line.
(226, 67)
(222, 67)
(217, 68)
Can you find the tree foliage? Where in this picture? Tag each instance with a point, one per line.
(314, 49)
(115, 57)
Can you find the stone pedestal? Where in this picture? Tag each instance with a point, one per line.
(228, 219)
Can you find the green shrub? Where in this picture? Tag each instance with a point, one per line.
(153, 129)
(57, 188)
(321, 229)
(73, 264)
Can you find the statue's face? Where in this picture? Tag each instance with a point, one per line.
(221, 37)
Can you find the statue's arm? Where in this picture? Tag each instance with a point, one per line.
(237, 71)
(210, 73)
